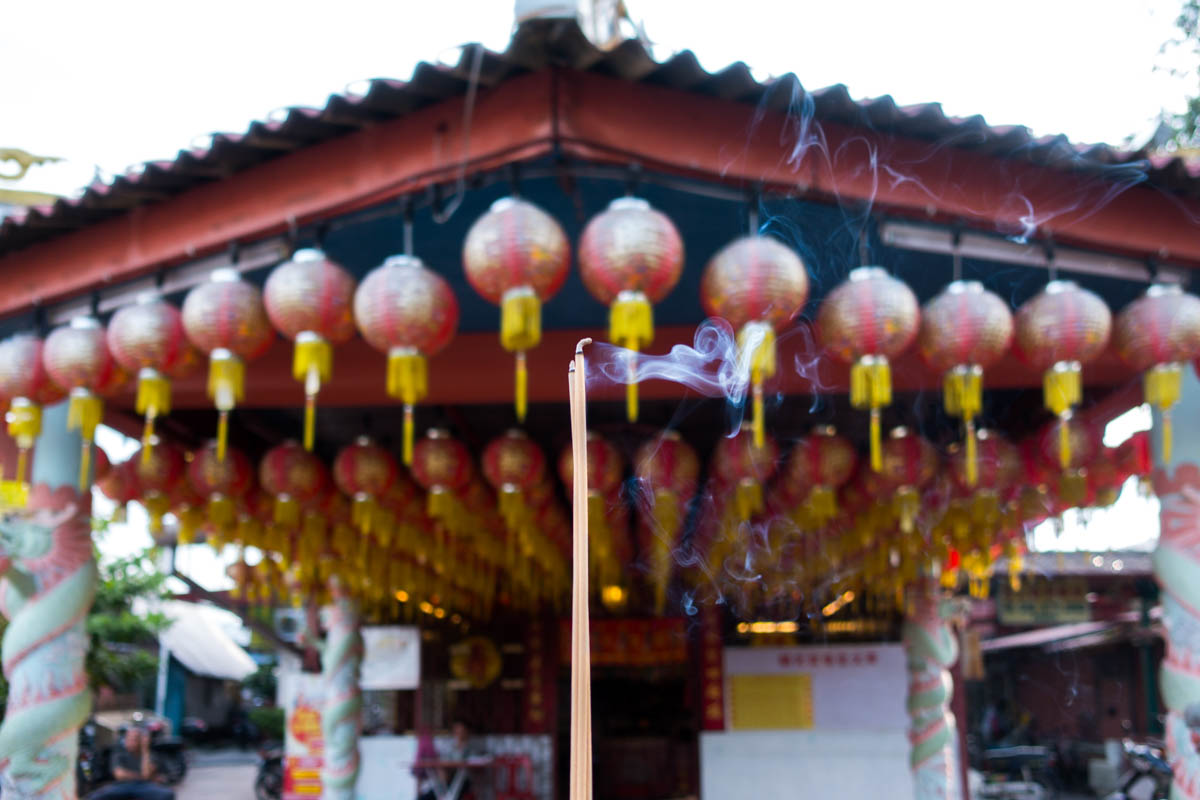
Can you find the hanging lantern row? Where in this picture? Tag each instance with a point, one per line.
(920, 515)
(631, 256)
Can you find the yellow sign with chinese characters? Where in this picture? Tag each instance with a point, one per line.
(771, 702)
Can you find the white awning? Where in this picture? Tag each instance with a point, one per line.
(198, 637)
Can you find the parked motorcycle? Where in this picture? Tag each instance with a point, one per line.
(93, 767)
(1148, 776)
(167, 753)
(269, 783)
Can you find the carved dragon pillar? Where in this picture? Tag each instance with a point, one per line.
(47, 582)
(1177, 568)
(930, 650)
(341, 720)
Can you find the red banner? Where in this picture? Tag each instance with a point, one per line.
(539, 679)
(712, 669)
(631, 642)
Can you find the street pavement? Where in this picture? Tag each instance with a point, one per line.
(223, 774)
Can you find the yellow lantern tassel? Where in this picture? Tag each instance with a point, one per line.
(962, 393)
(871, 387)
(748, 499)
(24, 425)
(226, 387)
(631, 325)
(153, 401)
(157, 505)
(439, 504)
(822, 505)
(1161, 387)
(520, 330)
(1072, 487)
(756, 344)
(312, 363)
(512, 507)
(84, 412)
(220, 511)
(408, 382)
(287, 511)
(907, 503)
(1062, 390)
(362, 512)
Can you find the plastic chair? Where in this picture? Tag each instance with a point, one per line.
(513, 777)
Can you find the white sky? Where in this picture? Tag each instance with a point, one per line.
(115, 83)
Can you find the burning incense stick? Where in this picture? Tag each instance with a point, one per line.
(581, 651)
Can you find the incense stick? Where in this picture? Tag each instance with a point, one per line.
(581, 653)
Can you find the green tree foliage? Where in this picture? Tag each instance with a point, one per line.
(1185, 127)
(123, 653)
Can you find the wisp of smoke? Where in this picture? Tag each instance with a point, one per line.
(712, 366)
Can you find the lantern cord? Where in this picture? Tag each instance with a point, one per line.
(876, 440)
(522, 379)
(408, 227)
(631, 388)
(310, 420)
(957, 255)
(408, 434)
(972, 453)
(148, 437)
(222, 433)
(1051, 264)
(22, 464)
(460, 180)
(85, 465)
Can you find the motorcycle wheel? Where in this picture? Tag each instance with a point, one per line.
(269, 785)
(172, 767)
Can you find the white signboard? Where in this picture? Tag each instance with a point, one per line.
(392, 657)
(844, 735)
(854, 687)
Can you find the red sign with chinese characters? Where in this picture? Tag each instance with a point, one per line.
(712, 670)
(631, 642)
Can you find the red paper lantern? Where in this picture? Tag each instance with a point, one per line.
(964, 330)
(819, 465)
(745, 466)
(909, 464)
(120, 484)
(758, 286)
(307, 298)
(1157, 334)
(295, 478)
(410, 313)
(221, 479)
(225, 318)
(517, 256)
(1082, 443)
(364, 471)
(514, 461)
(866, 321)
(147, 339)
(668, 472)
(442, 466)
(1058, 331)
(159, 469)
(513, 464)
(24, 379)
(604, 466)
(997, 464)
(77, 358)
(630, 256)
